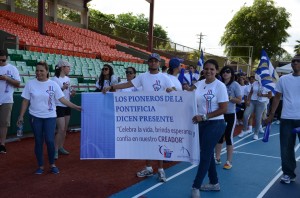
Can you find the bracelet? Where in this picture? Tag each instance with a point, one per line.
(204, 117)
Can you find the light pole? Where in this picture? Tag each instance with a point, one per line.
(200, 39)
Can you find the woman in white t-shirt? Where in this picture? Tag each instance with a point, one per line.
(257, 97)
(130, 74)
(106, 78)
(40, 95)
(212, 100)
(63, 112)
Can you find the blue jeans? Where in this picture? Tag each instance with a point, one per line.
(43, 129)
(258, 109)
(287, 144)
(209, 134)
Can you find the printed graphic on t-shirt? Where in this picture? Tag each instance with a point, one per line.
(208, 98)
(8, 73)
(157, 85)
(50, 91)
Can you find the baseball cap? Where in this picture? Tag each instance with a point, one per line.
(175, 62)
(62, 63)
(154, 56)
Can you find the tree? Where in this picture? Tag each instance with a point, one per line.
(297, 47)
(68, 14)
(30, 5)
(261, 25)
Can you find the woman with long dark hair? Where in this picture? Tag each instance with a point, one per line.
(106, 78)
(235, 97)
(212, 100)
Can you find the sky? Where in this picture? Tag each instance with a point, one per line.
(185, 20)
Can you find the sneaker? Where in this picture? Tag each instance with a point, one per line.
(227, 165)
(287, 179)
(277, 122)
(54, 170)
(63, 151)
(2, 149)
(261, 130)
(218, 161)
(39, 171)
(145, 172)
(195, 193)
(241, 134)
(248, 131)
(210, 187)
(162, 176)
(241, 123)
(255, 137)
(56, 155)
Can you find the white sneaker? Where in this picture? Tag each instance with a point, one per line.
(277, 122)
(162, 176)
(242, 134)
(261, 130)
(249, 131)
(241, 123)
(195, 193)
(255, 137)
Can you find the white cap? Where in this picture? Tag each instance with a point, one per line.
(62, 63)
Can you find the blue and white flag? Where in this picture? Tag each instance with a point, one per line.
(201, 61)
(265, 73)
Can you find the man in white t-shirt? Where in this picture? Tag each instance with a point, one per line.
(153, 80)
(288, 87)
(9, 79)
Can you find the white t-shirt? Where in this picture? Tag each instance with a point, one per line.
(176, 82)
(114, 81)
(130, 89)
(289, 86)
(208, 97)
(243, 88)
(6, 89)
(257, 87)
(152, 82)
(42, 96)
(61, 81)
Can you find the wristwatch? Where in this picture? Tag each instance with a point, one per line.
(204, 117)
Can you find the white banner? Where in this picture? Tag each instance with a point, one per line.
(139, 125)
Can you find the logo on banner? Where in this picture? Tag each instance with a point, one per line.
(167, 153)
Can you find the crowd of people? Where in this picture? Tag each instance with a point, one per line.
(224, 99)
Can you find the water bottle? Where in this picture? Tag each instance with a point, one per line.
(20, 130)
(296, 130)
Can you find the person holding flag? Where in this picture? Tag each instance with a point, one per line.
(259, 94)
(288, 88)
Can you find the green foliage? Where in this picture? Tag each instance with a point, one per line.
(297, 47)
(68, 14)
(102, 22)
(30, 5)
(261, 25)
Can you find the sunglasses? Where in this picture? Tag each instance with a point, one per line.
(296, 60)
(129, 72)
(104, 69)
(153, 61)
(227, 71)
(3, 60)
